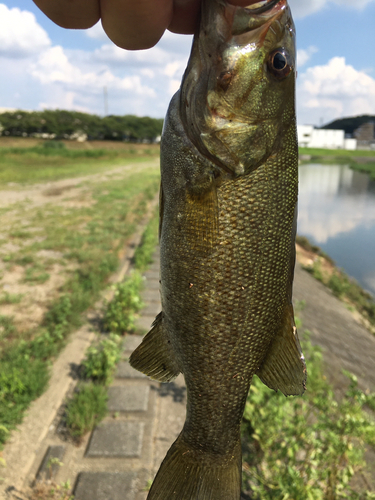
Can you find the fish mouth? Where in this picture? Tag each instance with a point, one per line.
(260, 7)
(226, 34)
(253, 19)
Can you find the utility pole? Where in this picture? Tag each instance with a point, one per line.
(105, 92)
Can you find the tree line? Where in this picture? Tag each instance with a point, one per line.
(61, 124)
(349, 124)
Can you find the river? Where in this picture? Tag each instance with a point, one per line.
(336, 211)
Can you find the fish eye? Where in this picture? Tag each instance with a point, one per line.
(279, 63)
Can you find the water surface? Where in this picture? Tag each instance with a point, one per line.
(337, 212)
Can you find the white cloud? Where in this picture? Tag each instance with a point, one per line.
(111, 54)
(20, 34)
(175, 68)
(97, 32)
(303, 8)
(303, 55)
(54, 67)
(173, 86)
(333, 90)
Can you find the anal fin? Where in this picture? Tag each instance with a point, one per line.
(284, 366)
(154, 356)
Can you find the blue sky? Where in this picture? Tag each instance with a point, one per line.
(45, 66)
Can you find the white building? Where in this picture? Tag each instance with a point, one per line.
(310, 137)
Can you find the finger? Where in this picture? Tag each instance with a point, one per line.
(79, 14)
(136, 24)
(185, 16)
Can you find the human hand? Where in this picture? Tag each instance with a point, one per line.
(130, 24)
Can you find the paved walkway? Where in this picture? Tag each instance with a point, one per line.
(121, 456)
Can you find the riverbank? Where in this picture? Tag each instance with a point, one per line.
(360, 160)
(359, 302)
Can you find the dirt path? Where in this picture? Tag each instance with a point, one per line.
(64, 189)
(29, 278)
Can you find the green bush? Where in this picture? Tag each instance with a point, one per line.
(102, 358)
(307, 447)
(120, 314)
(86, 409)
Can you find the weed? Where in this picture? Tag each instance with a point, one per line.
(119, 316)
(315, 269)
(305, 448)
(102, 358)
(19, 233)
(51, 491)
(345, 288)
(36, 274)
(22, 379)
(7, 327)
(143, 254)
(26, 259)
(87, 408)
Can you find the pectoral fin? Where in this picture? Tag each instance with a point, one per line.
(284, 366)
(154, 356)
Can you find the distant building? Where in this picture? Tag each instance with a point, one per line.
(311, 137)
(365, 135)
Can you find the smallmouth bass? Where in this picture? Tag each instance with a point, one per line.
(229, 182)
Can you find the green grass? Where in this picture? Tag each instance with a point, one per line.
(10, 298)
(86, 409)
(343, 153)
(39, 164)
(367, 168)
(342, 156)
(7, 327)
(143, 254)
(91, 239)
(306, 447)
(36, 274)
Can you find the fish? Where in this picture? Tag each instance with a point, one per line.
(228, 209)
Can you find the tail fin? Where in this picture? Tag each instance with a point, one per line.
(188, 475)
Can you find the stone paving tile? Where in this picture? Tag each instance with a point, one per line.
(51, 463)
(152, 309)
(152, 275)
(145, 322)
(105, 486)
(124, 370)
(152, 285)
(132, 342)
(150, 296)
(128, 398)
(116, 439)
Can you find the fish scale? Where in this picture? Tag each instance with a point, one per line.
(227, 232)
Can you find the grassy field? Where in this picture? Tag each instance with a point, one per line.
(30, 160)
(64, 222)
